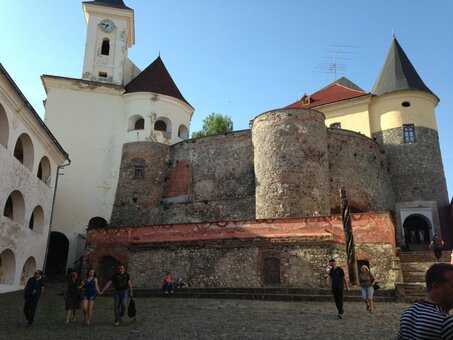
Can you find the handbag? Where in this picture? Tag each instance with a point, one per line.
(376, 287)
(131, 308)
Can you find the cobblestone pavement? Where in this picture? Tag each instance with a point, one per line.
(184, 318)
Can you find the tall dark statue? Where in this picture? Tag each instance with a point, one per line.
(349, 238)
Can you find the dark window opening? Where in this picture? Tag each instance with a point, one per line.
(97, 222)
(139, 171)
(40, 171)
(103, 74)
(8, 211)
(105, 49)
(405, 104)
(19, 151)
(160, 126)
(409, 133)
(335, 126)
(140, 124)
(32, 221)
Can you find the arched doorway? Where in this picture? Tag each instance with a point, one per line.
(57, 254)
(271, 272)
(417, 232)
(106, 268)
(7, 267)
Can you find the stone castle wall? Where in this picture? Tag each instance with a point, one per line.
(141, 183)
(299, 166)
(359, 164)
(222, 183)
(291, 163)
(421, 162)
(234, 254)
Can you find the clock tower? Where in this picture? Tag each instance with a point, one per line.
(110, 32)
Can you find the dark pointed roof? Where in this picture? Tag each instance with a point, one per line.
(341, 89)
(109, 3)
(398, 73)
(155, 78)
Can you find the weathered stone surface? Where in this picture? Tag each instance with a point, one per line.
(232, 254)
(291, 163)
(138, 194)
(420, 161)
(359, 165)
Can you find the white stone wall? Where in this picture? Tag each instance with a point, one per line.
(18, 243)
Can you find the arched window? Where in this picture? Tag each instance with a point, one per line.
(28, 270)
(36, 222)
(44, 170)
(97, 222)
(23, 150)
(140, 124)
(15, 207)
(4, 127)
(105, 49)
(183, 132)
(160, 125)
(7, 267)
(136, 122)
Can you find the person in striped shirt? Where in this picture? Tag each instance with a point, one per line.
(428, 319)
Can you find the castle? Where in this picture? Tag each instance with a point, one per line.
(237, 209)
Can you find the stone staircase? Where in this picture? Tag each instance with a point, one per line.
(413, 266)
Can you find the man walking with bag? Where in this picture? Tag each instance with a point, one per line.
(121, 283)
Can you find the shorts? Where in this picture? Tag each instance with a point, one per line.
(89, 297)
(367, 293)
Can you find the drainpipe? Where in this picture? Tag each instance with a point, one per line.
(51, 212)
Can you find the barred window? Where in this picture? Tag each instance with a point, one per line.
(139, 171)
(409, 133)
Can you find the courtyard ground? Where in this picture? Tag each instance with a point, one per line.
(185, 318)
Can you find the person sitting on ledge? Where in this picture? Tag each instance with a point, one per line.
(167, 283)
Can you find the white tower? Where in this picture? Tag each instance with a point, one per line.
(110, 32)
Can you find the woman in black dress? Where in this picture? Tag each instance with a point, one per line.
(72, 297)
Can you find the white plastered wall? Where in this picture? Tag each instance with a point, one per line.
(17, 237)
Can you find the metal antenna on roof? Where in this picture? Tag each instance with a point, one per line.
(337, 54)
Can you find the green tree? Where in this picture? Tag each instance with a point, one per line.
(215, 124)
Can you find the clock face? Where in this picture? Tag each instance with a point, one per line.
(107, 25)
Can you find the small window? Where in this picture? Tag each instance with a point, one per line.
(105, 49)
(409, 133)
(405, 104)
(335, 126)
(139, 124)
(103, 74)
(139, 171)
(160, 125)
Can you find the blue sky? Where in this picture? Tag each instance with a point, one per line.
(242, 58)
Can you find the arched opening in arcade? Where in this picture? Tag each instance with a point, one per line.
(28, 270)
(106, 268)
(7, 267)
(417, 232)
(57, 254)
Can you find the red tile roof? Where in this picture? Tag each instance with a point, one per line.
(329, 94)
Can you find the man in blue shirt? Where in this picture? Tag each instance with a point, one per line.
(337, 281)
(32, 292)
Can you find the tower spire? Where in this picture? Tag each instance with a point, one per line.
(398, 73)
